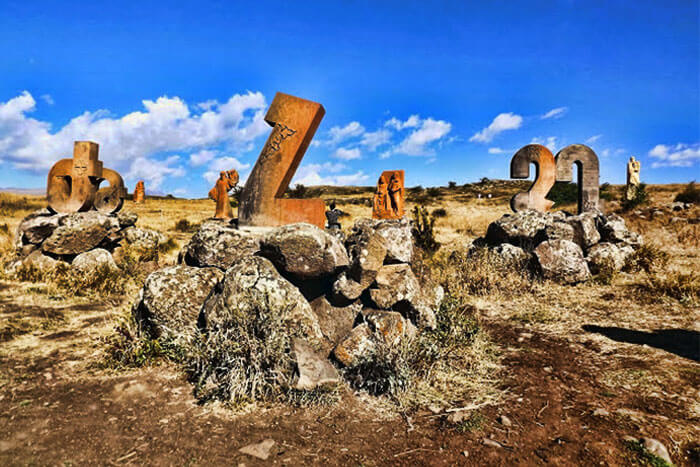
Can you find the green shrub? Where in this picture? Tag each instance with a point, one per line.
(690, 194)
(183, 225)
(563, 193)
(423, 233)
(646, 258)
(299, 191)
(606, 192)
(439, 212)
(451, 185)
(640, 198)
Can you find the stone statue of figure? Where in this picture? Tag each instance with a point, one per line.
(633, 169)
(395, 195)
(381, 196)
(227, 180)
(139, 192)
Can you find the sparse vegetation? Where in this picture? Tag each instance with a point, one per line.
(183, 225)
(640, 198)
(647, 258)
(563, 193)
(423, 233)
(690, 194)
(439, 213)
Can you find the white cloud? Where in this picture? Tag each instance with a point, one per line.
(375, 139)
(416, 144)
(347, 154)
(555, 113)
(167, 124)
(223, 163)
(412, 122)
(502, 122)
(48, 99)
(497, 151)
(201, 157)
(679, 155)
(550, 142)
(313, 174)
(340, 134)
(154, 172)
(593, 139)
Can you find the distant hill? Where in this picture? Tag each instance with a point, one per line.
(24, 191)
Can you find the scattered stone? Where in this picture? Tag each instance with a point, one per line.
(93, 261)
(36, 227)
(367, 252)
(491, 443)
(505, 421)
(656, 448)
(347, 289)
(40, 261)
(585, 232)
(219, 244)
(260, 450)
(518, 229)
(612, 229)
(398, 289)
(562, 261)
(511, 254)
(389, 325)
(304, 251)
(80, 232)
(172, 297)
(251, 285)
(397, 235)
(679, 206)
(314, 371)
(126, 219)
(601, 413)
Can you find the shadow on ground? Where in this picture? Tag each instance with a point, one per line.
(678, 341)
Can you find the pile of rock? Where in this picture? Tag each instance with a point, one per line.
(85, 240)
(562, 247)
(340, 299)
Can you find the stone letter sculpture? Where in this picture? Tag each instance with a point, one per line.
(139, 192)
(633, 169)
(226, 181)
(588, 174)
(389, 197)
(72, 184)
(294, 123)
(545, 175)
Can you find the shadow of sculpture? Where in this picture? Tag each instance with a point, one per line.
(681, 342)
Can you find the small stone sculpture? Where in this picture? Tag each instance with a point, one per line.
(389, 197)
(227, 180)
(73, 184)
(633, 169)
(139, 192)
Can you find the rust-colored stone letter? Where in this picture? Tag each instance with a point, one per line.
(227, 180)
(545, 175)
(294, 123)
(588, 173)
(72, 183)
(139, 192)
(389, 197)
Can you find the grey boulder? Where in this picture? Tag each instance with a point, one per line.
(219, 244)
(171, 300)
(304, 251)
(604, 254)
(93, 261)
(562, 261)
(80, 232)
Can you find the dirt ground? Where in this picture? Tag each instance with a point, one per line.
(583, 367)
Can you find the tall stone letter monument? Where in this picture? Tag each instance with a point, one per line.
(294, 123)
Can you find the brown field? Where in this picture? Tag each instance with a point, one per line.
(574, 369)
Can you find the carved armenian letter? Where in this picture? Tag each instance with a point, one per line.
(588, 173)
(139, 192)
(294, 123)
(110, 198)
(72, 183)
(545, 175)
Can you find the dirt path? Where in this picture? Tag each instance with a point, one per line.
(148, 416)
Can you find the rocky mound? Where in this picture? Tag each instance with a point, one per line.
(85, 240)
(562, 247)
(338, 300)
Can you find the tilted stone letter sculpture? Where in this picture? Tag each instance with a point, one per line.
(227, 180)
(73, 184)
(294, 123)
(588, 173)
(633, 181)
(139, 192)
(389, 197)
(545, 175)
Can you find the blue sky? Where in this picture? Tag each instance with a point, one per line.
(176, 91)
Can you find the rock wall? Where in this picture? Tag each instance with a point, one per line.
(562, 247)
(86, 240)
(341, 297)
